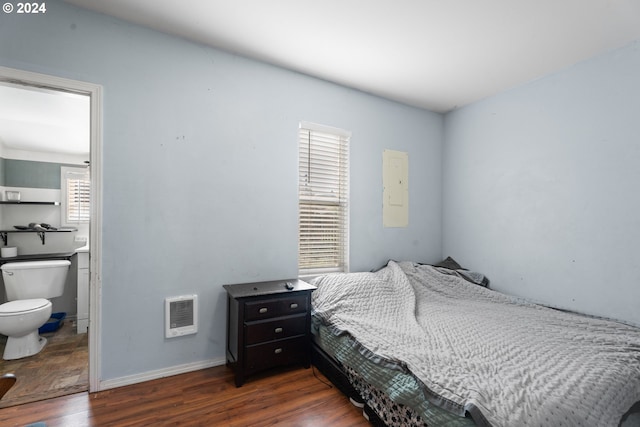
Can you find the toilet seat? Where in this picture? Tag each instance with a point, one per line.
(22, 306)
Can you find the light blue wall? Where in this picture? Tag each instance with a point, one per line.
(200, 173)
(541, 187)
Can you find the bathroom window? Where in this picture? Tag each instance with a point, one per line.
(76, 192)
(323, 200)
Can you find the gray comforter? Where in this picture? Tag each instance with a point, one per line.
(506, 361)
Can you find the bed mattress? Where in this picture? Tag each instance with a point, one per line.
(472, 350)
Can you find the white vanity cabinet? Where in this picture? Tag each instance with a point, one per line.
(83, 292)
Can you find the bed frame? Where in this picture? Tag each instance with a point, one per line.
(330, 369)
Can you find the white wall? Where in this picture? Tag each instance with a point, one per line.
(541, 187)
(200, 173)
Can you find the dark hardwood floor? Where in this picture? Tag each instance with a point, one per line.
(287, 397)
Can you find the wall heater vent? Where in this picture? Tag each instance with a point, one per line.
(181, 316)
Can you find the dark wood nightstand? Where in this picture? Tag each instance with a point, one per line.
(268, 325)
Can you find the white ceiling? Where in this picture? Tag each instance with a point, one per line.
(43, 121)
(435, 54)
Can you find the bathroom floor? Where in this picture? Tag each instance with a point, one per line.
(61, 368)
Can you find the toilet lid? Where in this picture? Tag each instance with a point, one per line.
(25, 265)
(23, 305)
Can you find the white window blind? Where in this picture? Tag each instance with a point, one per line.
(323, 194)
(77, 193)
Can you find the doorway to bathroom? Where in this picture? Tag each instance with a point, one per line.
(50, 151)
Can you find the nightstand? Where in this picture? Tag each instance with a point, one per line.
(268, 325)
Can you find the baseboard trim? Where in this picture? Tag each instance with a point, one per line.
(160, 373)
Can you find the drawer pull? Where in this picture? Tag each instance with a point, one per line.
(278, 330)
(294, 305)
(263, 310)
(277, 351)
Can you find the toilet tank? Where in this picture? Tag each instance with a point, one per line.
(35, 279)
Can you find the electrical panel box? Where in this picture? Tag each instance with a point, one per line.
(395, 194)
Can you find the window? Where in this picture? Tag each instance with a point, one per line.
(76, 192)
(323, 199)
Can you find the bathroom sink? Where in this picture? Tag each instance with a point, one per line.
(84, 248)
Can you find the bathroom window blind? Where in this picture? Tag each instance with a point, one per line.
(77, 206)
(323, 200)
(78, 191)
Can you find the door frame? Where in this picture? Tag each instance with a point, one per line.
(94, 91)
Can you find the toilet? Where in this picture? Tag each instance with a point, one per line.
(28, 286)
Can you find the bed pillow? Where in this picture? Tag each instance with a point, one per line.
(449, 263)
(470, 276)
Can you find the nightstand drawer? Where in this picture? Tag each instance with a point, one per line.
(269, 330)
(276, 353)
(274, 307)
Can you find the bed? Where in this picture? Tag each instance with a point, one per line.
(430, 345)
